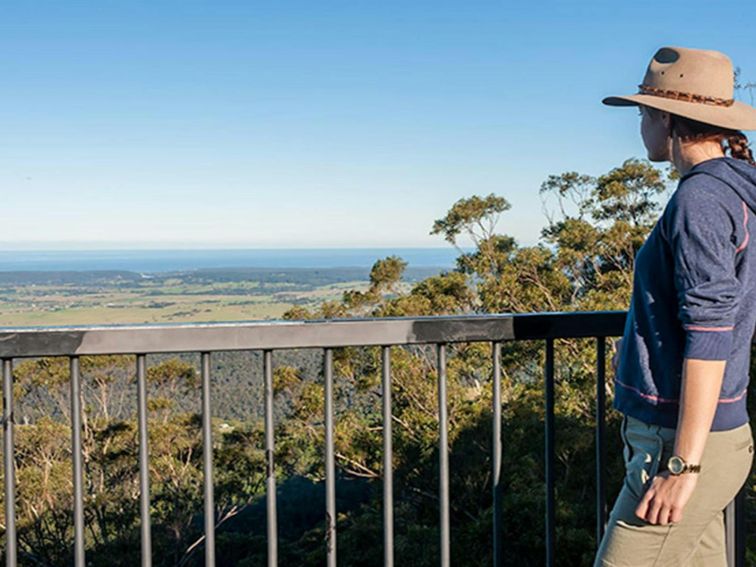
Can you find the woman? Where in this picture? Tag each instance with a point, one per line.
(682, 369)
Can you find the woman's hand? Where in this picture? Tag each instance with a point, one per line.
(616, 346)
(665, 499)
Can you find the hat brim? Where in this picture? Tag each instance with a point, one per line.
(739, 116)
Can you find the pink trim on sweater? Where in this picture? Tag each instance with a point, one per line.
(646, 396)
(737, 398)
(661, 400)
(702, 328)
(745, 226)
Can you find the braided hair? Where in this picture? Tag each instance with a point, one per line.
(740, 148)
(732, 141)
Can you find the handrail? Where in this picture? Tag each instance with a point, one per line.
(20, 342)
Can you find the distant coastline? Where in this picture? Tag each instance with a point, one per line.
(171, 260)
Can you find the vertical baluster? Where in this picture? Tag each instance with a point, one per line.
(498, 555)
(144, 466)
(272, 521)
(443, 457)
(735, 533)
(388, 472)
(330, 464)
(600, 438)
(9, 421)
(740, 528)
(207, 461)
(549, 447)
(78, 476)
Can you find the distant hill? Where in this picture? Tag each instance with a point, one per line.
(68, 277)
(300, 276)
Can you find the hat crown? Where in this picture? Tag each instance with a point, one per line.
(691, 71)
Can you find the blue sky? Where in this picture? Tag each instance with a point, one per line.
(312, 124)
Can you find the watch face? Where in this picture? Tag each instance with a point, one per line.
(676, 465)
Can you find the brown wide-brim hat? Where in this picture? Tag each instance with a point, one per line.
(693, 83)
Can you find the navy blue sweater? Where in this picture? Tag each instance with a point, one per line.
(694, 296)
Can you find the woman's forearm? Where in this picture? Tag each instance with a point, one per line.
(701, 385)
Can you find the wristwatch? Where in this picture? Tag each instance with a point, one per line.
(677, 466)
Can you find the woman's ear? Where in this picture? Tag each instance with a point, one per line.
(673, 140)
(666, 119)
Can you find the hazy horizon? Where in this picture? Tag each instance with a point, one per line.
(169, 246)
(169, 260)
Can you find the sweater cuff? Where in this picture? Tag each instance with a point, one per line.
(708, 343)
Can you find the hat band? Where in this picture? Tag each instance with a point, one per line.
(687, 97)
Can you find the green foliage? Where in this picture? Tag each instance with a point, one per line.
(627, 194)
(475, 216)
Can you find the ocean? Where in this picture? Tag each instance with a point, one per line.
(150, 261)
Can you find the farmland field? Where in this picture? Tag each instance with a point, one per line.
(91, 298)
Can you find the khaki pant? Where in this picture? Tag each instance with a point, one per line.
(699, 538)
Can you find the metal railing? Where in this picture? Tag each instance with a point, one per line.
(140, 340)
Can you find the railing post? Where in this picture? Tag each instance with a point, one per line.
(9, 421)
(549, 457)
(330, 464)
(498, 554)
(271, 515)
(443, 458)
(735, 534)
(388, 472)
(740, 528)
(78, 476)
(600, 438)
(207, 461)
(144, 467)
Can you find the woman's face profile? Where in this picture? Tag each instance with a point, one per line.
(655, 134)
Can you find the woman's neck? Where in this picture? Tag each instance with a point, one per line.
(687, 156)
